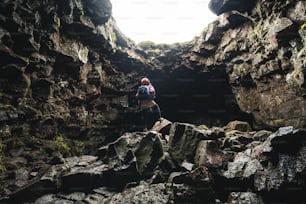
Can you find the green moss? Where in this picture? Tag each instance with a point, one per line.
(278, 122)
(303, 26)
(114, 37)
(82, 15)
(62, 145)
(58, 22)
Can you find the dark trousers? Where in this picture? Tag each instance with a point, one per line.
(150, 116)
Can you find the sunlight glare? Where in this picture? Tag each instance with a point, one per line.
(162, 21)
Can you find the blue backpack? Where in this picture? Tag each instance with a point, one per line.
(144, 93)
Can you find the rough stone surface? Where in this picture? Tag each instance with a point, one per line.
(244, 197)
(270, 169)
(208, 154)
(238, 125)
(67, 84)
(138, 151)
(184, 139)
(143, 193)
(222, 6)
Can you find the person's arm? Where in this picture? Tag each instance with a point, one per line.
(152, 91)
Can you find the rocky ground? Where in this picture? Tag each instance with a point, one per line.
(180, 163)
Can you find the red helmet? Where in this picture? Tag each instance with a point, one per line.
(145, 81)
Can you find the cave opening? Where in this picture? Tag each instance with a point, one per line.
(161, 21)
(198, 97)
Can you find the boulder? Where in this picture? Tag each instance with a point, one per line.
(284, 140)
(184, 139)
(283, 29)
(131, 157)
(208, 154)
(84, 174)
(143, 193)
(243, 166)
(162, 126)
(36, 188)
(238, 125)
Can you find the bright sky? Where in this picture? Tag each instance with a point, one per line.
(162, 21)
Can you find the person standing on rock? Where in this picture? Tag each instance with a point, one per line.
(149, 108)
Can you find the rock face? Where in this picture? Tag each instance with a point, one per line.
(255, 52)
(264, 56)
(67, 82)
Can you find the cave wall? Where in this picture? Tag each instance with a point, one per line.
(67, 77)
(263, 51)
(254, 52)
(64, 63)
